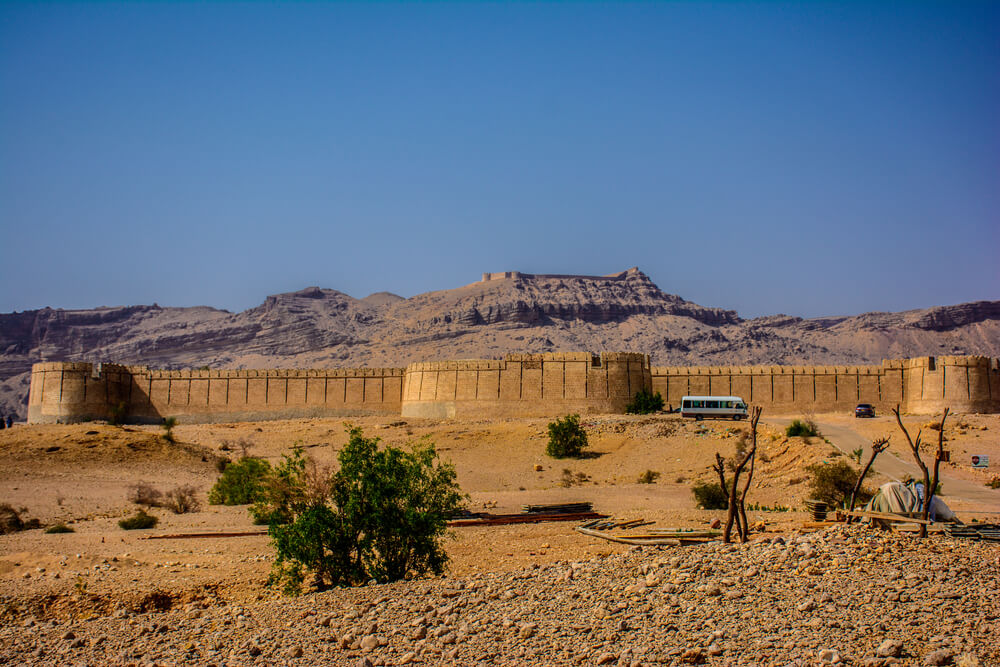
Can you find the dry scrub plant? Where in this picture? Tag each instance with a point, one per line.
(144, 493)
(570, 478)
(182, 500)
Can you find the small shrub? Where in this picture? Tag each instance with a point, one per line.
(182, 500)
(710, 496)
(241, 483)
(680, 479)
(644, 403)
(801, 428)
(833, 483)
(168, 429)
(994, 483)
(58, 528)
(856, 454)
(649, 477)
(566, 438)
(382, 516)
(144, 493)
(139, 521)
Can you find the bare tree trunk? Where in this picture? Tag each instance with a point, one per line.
(734, 499)
(878, 446)
(743, 496)
(929, 491)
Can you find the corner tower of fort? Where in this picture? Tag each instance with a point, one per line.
(549, 384)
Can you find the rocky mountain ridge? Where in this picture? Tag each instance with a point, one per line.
(317, 327)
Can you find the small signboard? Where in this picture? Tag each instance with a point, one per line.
(980, 461)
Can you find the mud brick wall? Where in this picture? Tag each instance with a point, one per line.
(519, 385)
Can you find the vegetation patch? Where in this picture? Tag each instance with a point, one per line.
(58, 528)
(644, 403)
(710, 496)
(649, 477)
(570, 478)
(833, 483)
(382, 516)
(139, 521)
(567, 439)
(241, 483)
(805, 428)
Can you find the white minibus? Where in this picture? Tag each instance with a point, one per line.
(723, 407)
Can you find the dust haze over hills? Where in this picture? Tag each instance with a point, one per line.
(325, 328)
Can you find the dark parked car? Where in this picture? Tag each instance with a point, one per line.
(864, 410)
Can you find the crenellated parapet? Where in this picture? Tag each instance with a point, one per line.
(63, 392)
(525, 385)
(520, 384)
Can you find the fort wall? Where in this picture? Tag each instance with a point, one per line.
(525, 385)
(63, 392)
(518, 385)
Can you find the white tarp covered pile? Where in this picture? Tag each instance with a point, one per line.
(908, 500)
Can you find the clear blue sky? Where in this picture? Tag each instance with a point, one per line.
(806, 158)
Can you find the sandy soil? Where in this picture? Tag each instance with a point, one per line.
(81, 474)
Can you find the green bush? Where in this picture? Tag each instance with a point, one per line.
(381, 516)
(710, 496)
(566, 438)
(241, 483)
(801, 428)
(645, 403)
(59, 528)
(140, 521)
(833, 483)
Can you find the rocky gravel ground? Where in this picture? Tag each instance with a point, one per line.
(847, 595)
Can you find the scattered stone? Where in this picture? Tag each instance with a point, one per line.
(890, 648)
(694, 656)
(828, 656)
(939, 657)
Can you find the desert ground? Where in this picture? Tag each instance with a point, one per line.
(519, 594)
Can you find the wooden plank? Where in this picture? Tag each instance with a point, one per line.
(652, 540)
(626, 540)
(504, 519)
(190, 536)
(887, 516)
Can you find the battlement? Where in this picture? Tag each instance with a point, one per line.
(520, 384)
